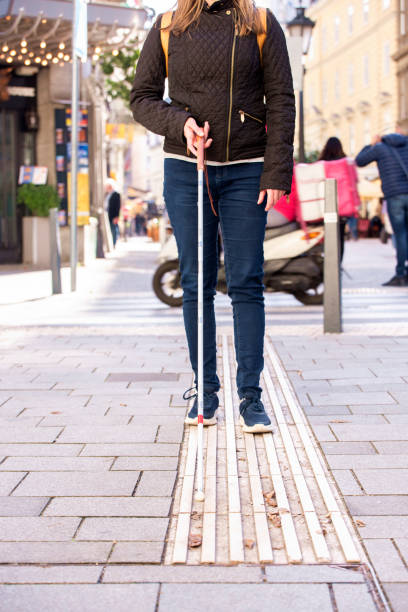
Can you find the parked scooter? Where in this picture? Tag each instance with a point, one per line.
(293, 264)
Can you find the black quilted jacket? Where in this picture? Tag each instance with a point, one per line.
(217, 76)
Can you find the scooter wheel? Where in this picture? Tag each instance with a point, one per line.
(166, 284)
(309, 299)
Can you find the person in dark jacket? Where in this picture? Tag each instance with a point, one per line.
(391, 154)
(113, 208)
(219, 77)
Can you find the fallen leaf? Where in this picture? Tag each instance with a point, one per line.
(272, 502)
(269, 495)
(249, 543)
(339, 421)
(360, 523)
(123, 404)
(194, 540)
(324, 530)
(55, 412)
(284, 511)
(276, 522)
(272, 513)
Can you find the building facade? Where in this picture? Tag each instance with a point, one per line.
(351, 82)
(401, 59)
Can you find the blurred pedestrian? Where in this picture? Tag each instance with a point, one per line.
(333, 150)
(113, 207)
(391, 154)
(219, 77)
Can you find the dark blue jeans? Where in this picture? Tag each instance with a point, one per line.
(235, 190)
(397, 208)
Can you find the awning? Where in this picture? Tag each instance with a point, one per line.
(39, 32)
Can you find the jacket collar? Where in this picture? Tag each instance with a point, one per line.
(218, 6)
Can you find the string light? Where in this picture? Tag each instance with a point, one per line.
(23, 43)
(49, 56)
(43, 44)
(44, 63)
(97, 50)
(61, 45)
(95, 57)
(24, 50)
(2, 56)
(31, 54)
(66, 58)
(55, 60)
(9, 60)
(27, 62)
(43, 21)
(19, 57)
(5, 48)
(13, 52)
(115, 52)
(37, 60)
(8, 17)
(60, 55)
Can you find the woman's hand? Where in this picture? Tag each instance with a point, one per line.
(192, 132)
(273, 196)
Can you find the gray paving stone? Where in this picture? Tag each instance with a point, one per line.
(137, 552)
(346, 482)
(384, 481)
(377, 505)
(37, 528)
(156, 483)
(245, 597)
(30, 574)
(9, 480)
(311, 573)
(386, 560)
(347, 596)
(109, 506)
(68, 483)
(143, 529)
(357, 462)
(395, 419)
(326, 410)
(370, 432)
(22, 506)
(391, 448)
(29, 434)
(163, 420)
(398, 596)
(40, 450)
(100, 434)
(171, 433)
(54, 552)
(146, 409)
(191, 574)
(57, 464)
(323, 433)
(131, 450)
(62, 420)
(376, 527)
(368, 383)
(348, 448)
(382, 409)
(78, 598)
(360, 398)
(325, 374)
(358, 419)
(402, 545)
(145, 463)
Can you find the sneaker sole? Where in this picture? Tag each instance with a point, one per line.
(257, 428)
(206, 422)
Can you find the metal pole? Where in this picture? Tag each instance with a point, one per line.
(74, 155)
(55, 251)
(301, 128)
(200, 326)
(332, 277)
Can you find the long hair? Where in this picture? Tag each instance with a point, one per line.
(189, 11)
(333, 149)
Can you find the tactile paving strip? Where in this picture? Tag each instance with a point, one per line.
(268, 497)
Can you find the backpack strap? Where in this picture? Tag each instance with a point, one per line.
(165, 35)
(262, 36)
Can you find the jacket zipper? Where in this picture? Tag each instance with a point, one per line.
(244, 114)
(231, 84)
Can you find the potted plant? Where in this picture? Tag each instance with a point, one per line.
(36, 232)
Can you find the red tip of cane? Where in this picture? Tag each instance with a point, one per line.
(200, 419)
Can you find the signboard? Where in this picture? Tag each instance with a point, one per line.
(81, 30)
(37, 175)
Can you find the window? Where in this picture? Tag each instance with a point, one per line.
(366, 71)
(386, 4)
(387, 125)
(350, 18)
(325, 93)
(336, 30)
(403, 28)
(367, 131)
(351, 79)
(386, 59)
(337, 93)
(352, 139)
(366, 10)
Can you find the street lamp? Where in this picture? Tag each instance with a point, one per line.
(301, 27)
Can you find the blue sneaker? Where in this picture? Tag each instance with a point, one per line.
(253, 416)
(210, 406)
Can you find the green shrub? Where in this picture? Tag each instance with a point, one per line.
(38, 198)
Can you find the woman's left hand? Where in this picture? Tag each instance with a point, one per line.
(273, 196)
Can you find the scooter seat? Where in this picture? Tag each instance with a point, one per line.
(274, 232)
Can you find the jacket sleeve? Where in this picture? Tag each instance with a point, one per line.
(367, 155)
(146, 96)
(114, 205)
(280, 110)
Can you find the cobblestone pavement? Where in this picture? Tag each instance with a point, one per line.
(90, 448)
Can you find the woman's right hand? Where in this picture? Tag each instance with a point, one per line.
(192, 132)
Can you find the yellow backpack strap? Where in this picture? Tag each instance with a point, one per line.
(165, 35)
(261, 37)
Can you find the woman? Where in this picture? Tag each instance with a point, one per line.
(333, 150)
(217, 85)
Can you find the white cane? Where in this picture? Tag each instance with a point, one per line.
(200, 324)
